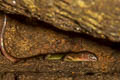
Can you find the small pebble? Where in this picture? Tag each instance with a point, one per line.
(14, 2)
(77, 29)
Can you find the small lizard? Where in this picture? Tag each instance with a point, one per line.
(82, 56)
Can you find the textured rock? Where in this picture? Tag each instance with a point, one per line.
(99, 18)
(21, 29)
(29, 38)
(33, 34)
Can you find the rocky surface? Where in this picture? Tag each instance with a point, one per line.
(28, 40)
(99, 18)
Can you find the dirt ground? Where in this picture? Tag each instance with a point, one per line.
(29, 40)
